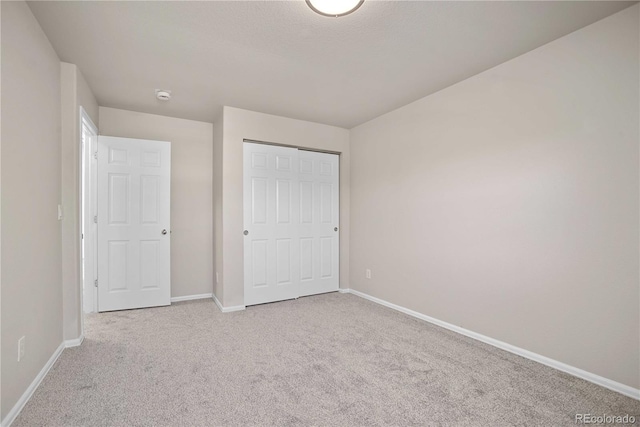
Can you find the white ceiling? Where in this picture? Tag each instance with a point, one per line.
(279, 57)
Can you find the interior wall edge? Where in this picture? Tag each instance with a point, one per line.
(228, 309)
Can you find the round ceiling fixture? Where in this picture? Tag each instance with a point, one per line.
(163, 95)
(334, 8)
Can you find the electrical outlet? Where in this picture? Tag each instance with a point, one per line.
(21, 343)
(367, 273)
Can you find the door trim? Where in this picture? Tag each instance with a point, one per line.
(315, 150)
(89, 178)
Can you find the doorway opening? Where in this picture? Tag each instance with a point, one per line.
(89, 208)
(125, 221)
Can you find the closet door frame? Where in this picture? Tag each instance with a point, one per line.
(263, 281)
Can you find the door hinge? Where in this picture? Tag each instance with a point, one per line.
(95, 219)
(95, 283)
(95, 155)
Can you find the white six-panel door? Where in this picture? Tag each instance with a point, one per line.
(270, 218)
(291, 219)
(319, 218)
(133, 223)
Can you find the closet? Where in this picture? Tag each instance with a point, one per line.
(291, 220)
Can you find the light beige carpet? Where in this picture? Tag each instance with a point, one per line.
(329, 360)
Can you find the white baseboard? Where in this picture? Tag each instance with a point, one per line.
(191, 297)
(13, 413)
(344, 290)
(74, 343)
(215, 299)
(227, 309)
(577, 372)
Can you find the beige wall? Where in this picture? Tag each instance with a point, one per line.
(217, 208)
(31, 272)
(191, 191)
(86, 100)
(74, 93)
(508, 203)
(242, 124)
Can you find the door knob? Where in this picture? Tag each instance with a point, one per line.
(164, 231)
(245, 232)
(335, 228)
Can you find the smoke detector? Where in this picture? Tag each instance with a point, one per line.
(163, 95)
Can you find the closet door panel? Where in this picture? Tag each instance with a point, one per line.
(319, 225)
(271, 245)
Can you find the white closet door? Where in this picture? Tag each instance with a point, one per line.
(319, 219)
(134, 178)
(271, 248)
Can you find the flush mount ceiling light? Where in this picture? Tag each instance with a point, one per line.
(334, 8)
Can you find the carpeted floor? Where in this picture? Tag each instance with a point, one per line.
(329, 360)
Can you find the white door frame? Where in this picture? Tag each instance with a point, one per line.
(336, 222)
(88, 191)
